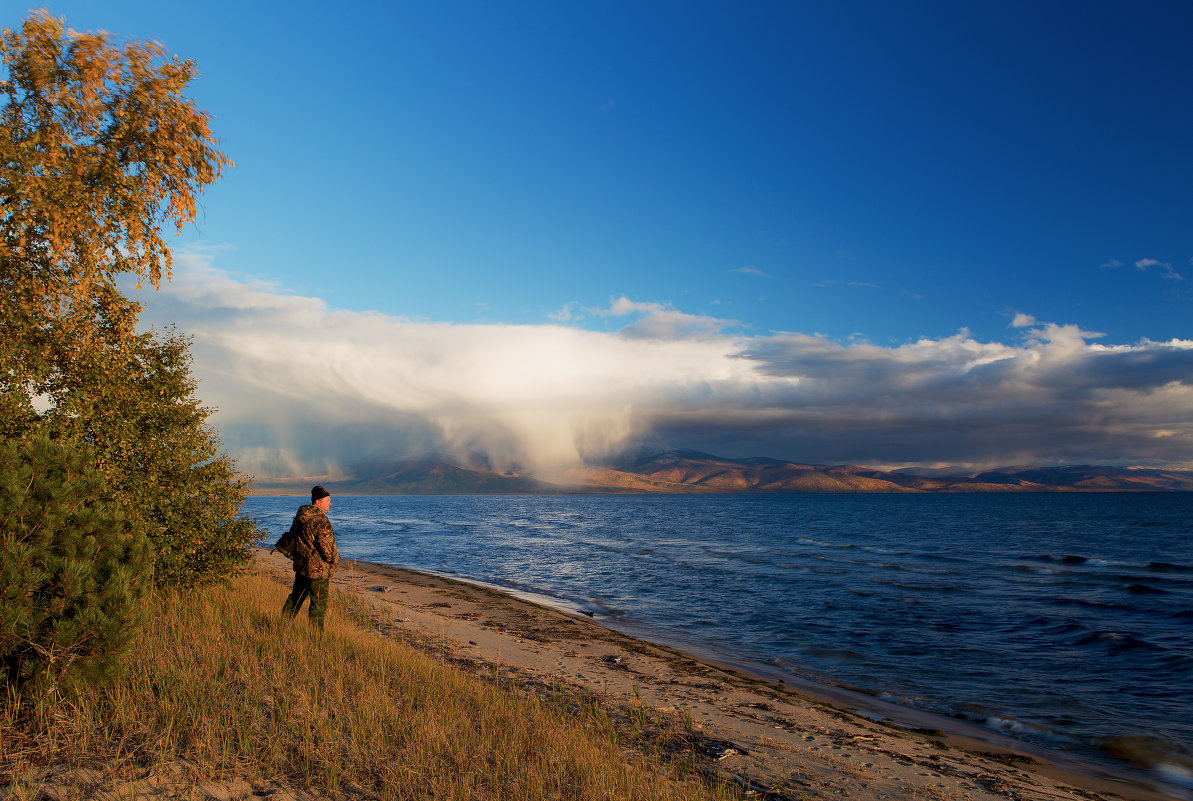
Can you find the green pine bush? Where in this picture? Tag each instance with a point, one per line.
(73, 569)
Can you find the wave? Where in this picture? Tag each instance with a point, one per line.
(738, 557)
(923, 571)
(844, 546)
(1146, 750)
(1144, 589)
(885, 551)
(1018, 728)
(1167, 567)
(1115, 642)
(908, 585)
(1074, 560)
(1101, 606)
(606, 610)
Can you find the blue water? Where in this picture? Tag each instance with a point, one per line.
(1062, 619)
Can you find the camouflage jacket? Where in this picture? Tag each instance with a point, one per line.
(315, 554)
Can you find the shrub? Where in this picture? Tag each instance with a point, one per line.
(73, 570)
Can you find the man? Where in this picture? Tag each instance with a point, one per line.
(315, 557)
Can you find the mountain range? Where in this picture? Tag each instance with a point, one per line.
(684, 471)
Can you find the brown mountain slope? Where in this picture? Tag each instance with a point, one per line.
(695, 472)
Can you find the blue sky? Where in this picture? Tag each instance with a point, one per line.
(855, 174)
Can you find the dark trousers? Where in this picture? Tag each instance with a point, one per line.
(316, 590)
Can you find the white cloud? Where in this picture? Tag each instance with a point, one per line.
(751, 271)
(303, 389)
(660, 321)
(620, 307)
(565, 314)
(831, 282)
(1022, 320)
(1164, 268)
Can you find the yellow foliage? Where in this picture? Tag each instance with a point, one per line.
(100, 149)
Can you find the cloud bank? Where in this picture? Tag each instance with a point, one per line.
(305, 390)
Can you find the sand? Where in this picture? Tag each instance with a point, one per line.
(778, 740)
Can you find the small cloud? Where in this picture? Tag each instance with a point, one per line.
(662, 321)
(1061, 338)
(830, 282)
(608, 105)
(1022, 320)
(565, 314)
(1144, 265)
(1166, 271)
(750, 271)
(620, 307)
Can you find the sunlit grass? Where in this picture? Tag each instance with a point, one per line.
(217, 682)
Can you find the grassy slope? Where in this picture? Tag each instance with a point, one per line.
(217, 682)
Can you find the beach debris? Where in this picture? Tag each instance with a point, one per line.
(718, 749)
(1008, 757)
(995, 785)
(753, 789)
(613, 659)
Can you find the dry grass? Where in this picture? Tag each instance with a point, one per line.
(219, 683)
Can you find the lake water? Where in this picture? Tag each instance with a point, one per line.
(1065, 620)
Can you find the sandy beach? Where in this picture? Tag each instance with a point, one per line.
(775, 740)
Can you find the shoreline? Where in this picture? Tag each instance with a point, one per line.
(853, 700)
(784, 738)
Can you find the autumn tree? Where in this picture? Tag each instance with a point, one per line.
(101, 153)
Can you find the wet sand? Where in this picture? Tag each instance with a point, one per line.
(780, 741)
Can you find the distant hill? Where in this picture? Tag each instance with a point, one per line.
(420, 477)
(683, 471)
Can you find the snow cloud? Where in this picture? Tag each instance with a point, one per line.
(306, 390)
